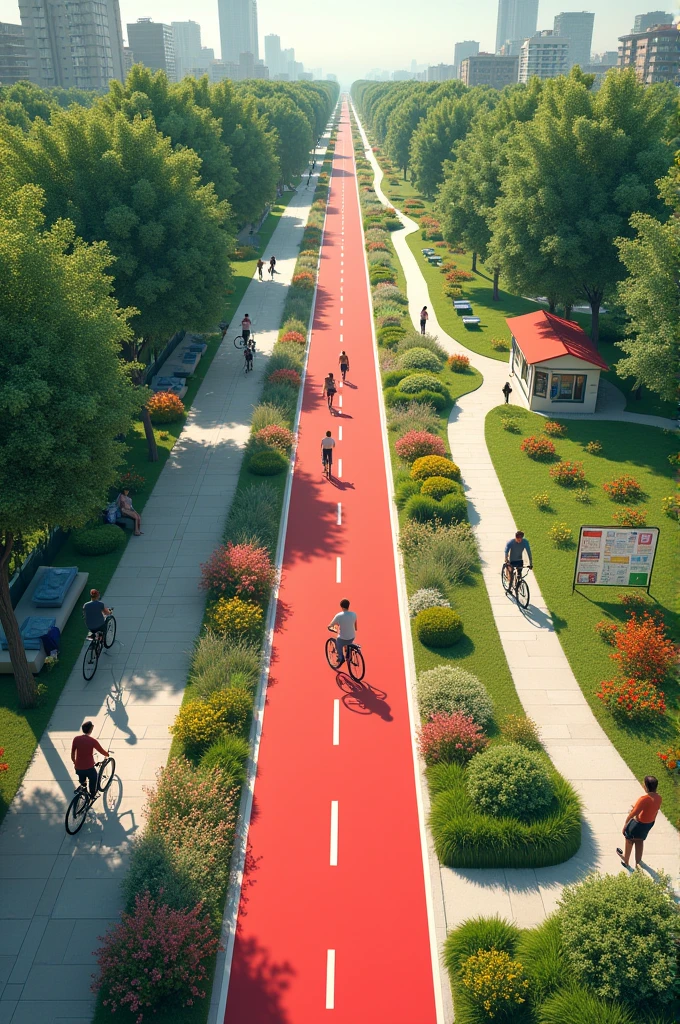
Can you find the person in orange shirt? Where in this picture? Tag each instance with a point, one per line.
(640, 820)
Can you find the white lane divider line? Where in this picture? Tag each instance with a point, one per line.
(341, 324)
(330, 979)
(339, 513)
(338, 570)
(334, 833)
(336, 722)
(340, 401)
(339, 469)
(340, 337)
(340, 433)
(341, 310)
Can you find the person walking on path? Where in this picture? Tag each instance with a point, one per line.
(272, 267)
(507, 391)
(343, 360)
(345, 625)
(82, 755)
(246, 324)
(248, 355)
(640, 821)
(329, 390)
(424, 317)
(260, 268)
(327, 446)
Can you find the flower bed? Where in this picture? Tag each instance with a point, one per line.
(539, 448)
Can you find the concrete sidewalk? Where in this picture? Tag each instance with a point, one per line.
(547, 687)
(59, 893)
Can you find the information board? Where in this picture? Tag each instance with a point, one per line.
(615, 556)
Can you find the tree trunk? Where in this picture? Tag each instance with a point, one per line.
(496, 275)
(474, 263)
(568, 309)
(594, 298)
(552, 304)
(150, 438)
(23, 677)
(404, 173)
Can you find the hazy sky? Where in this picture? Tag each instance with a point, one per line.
(349, 37)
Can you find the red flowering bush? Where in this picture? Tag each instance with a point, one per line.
(607, 630)
(276, 437)
(304, 279)
(633, 603)
(634, 699)
(130, 481)
(623, 488)
(416, 443)
(458, 363)
(554, 429)
(568, 473)
(455, 276)
(539, 448)
(454, 737)
(643, 650)
(630, 517)
(291, 377)
(670, 759)
(377, 247)
(153, 955)
(240, 570)
(165, 407)
(295, 336)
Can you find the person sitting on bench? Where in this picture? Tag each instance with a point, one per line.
(124, 502)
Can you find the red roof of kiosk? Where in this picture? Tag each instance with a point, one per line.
(543, 336)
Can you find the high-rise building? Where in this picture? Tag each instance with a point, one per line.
(153, 45)
(468, 48)
(187, 41)
(272, 54)
(13, 57)
(73, 42)
(517, 19)
(238, 29)
(654, 54)
(440, 72)
(128, 59)
(608, 57)
(543, 55)
(489, 69)
(643, 22)
(577, 27)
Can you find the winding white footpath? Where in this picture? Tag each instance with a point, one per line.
(547, 687)
(59, 893)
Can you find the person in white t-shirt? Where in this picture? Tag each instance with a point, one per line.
(327, 446)
(345, 625)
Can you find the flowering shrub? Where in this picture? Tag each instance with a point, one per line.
(291, 377)
(155, 954)
(295, 336)
(434, 465)
(539, 448)
(425, 598)
(630, 517)
(446, 689)
(494, 980)
(377, 247)
(607, 631)
(304, 279)
(419, 359)
(447, 738)
(674, 459)
(438, 486)
(389, 320)
(568, 473)
(554, 429)
(561, 535)
(417, 443)
(643, 650)
(500, 344)
(165, 407)
(520, 729)
(510, 780)
(4, 766)
(234, 617)
(670, 759)
(542, 501)
(633, 603)
(632, 699)
(670, 506)
(241, 570)
(131, 481)
(458, 363)
(582, 494)
(510, 424)
(200, 722)
(276, 437)
(438, 627)
(623, 488)
(594, 447)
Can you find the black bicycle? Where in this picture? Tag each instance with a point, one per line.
(514, 581)
(102, 638)
(354, 659)
(82, 801)
(240, 342)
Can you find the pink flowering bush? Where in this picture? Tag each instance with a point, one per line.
(275, 436)
(416, 443)
(240, 570)
(154, 955)
(447, 738)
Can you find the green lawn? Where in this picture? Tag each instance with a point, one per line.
(641, 452)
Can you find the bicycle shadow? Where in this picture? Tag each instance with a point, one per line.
(362, 698)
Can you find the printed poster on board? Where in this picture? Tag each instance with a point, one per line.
(616, 556)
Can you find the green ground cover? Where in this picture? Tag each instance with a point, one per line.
(641, 452)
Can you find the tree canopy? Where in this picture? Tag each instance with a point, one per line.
(434, 139)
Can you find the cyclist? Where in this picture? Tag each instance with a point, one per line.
(95, 612)
(272, 266)
(514, 555)
(83, 757)
(260, 268)
(245, 328)
(343, 359)
(248, 355)
(345, 625)
(327, 446)
(329, 390)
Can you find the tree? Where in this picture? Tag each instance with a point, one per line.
(575, 175)
(294, 133)
(402, 125)
(433, 141)
(64, 393)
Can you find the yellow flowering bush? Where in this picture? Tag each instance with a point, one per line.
(200, 722)
(232, 616)
(494, 980)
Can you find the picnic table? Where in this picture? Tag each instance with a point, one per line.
(427, 252)
(471, 321)
(435, 260)
(462, 305)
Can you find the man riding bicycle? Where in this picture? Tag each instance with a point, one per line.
(345, 625)
(245, 328)
(82, 755)
(95, 612)
(514, 555)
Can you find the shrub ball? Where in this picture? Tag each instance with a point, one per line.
(510, 781)
(268, 463)
(438, 627)
(98, 540)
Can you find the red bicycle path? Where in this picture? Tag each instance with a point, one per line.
(371, 908)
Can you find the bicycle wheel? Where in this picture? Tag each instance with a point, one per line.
(90, 660)
(356, 665)
(332, 653)
(506, 578)
(77, 812)
(107, 769)
(522, 593)
(238, 341)
(110, 632)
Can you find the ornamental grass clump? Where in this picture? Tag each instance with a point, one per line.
(510, 781)
(567, 473)
(413, 339)
(426, 598)
(451, 738)
(495, 982)
(417, 416)
(622, 489)
(541, 449)
(240, 570)
(447, 688)
(438, 557)
(254, 514)
(415, 444)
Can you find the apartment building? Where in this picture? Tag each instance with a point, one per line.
(73, 43)
(543, 55)
(492, 69)
(655, 54)
(153, 45)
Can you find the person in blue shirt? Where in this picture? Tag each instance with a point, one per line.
(514, 553)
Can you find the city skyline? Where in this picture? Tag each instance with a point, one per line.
(350, 49)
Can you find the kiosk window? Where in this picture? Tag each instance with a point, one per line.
(541, 384)
(568, 387)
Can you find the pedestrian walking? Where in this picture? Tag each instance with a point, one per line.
(424, 317)
(343, 360)
(640, 821)
(507, 391)
(260, 268)
(329, 390)
(272, 266)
